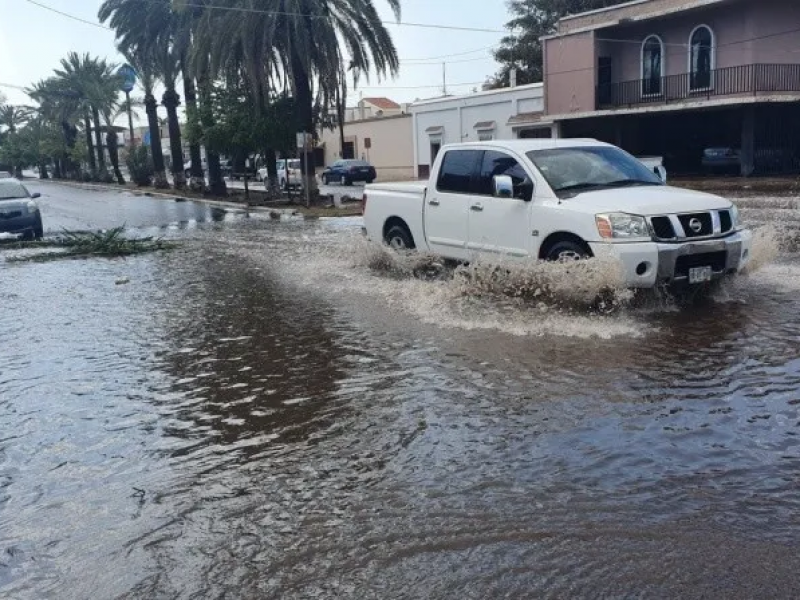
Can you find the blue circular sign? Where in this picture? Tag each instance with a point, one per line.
(128, 76)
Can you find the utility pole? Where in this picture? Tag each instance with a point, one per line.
(444, 79)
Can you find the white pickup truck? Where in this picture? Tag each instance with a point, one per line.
(560, 199)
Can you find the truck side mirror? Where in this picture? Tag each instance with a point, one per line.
(502, 186)
(661, 172)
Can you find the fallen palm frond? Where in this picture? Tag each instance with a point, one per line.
(109, 244)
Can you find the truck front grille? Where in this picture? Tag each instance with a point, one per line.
(697, 224)
(725, 221)
(715, 260)
(662, 228)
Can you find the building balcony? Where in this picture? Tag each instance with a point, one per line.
(728, 82)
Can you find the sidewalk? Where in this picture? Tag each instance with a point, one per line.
(739, 185)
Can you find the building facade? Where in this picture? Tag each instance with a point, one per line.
(385, 142)
(676, 78)
(507, 113)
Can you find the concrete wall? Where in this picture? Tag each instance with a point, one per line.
(391, 151)
(570, 73)
(453, 119)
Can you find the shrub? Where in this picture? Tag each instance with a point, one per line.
(140, 166)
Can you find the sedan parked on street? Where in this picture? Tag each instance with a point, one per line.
(19, 214)
(347, 172)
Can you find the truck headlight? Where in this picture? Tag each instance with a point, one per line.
(33, 208)
(622, 226)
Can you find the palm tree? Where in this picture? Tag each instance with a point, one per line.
(153, 27)
(61, 106)
(142, 61)
(168, 64)
(95, 86)
(309, 42)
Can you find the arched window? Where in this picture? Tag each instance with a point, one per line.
(701, 58)
(652, 65)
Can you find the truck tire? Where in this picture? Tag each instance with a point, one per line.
(399, 238)
(566, 251)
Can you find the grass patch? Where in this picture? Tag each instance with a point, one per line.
(106, 244)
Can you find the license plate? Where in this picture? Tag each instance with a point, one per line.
(699, 274)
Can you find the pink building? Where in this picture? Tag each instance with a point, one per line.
(682, 79)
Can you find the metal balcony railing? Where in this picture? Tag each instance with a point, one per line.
(730, 81)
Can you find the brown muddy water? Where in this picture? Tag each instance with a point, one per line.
(278, 410)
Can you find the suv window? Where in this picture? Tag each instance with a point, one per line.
(498, 163)
(457, 170)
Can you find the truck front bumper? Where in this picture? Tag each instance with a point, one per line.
(645, 264)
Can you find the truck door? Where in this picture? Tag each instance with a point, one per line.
(500, 227)
(447, 204)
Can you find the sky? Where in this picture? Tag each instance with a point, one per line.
(33, 40)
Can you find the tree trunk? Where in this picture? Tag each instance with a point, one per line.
(171, 100)
(43, 170)
(160, 176)
(271, 182)
(57, 169)
(70, 169)
(197, 179)
(112, 143)
(98, 144)
(305, 119)
(216, 182)
(90, 144)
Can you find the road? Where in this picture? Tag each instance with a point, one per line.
(66, 207)
(278, 409)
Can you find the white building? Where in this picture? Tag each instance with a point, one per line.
(506, 113)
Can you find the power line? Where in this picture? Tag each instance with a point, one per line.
(12, 86)
(451, 55)
(69, 16)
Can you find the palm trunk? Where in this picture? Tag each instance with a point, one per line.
(273, 189)
(160, 176)
(70, 135)
(171, 100)
(216, 183)
(112, 144)
(305, 120)
(197, 180)
(98, 144)
(90, 144)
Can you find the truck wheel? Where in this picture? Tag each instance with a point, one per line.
(399, 238)
(566, 251)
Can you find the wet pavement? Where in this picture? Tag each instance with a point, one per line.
(275, 410)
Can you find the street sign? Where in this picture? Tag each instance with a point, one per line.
(128, 76)
(304, 140)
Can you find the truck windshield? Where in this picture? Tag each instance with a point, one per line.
(570, 171)
(12, 189)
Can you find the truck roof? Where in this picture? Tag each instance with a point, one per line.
(526, 145)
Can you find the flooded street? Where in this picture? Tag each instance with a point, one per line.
(277, 410)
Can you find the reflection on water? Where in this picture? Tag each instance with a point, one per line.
(260, 414)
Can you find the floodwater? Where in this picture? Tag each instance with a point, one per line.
(279, 410)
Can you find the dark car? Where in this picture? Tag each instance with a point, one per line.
(721, 159)
(348, 171)
(19, 214)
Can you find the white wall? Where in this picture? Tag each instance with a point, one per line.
(458, 115)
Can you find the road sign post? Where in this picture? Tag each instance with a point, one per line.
(128, 76)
